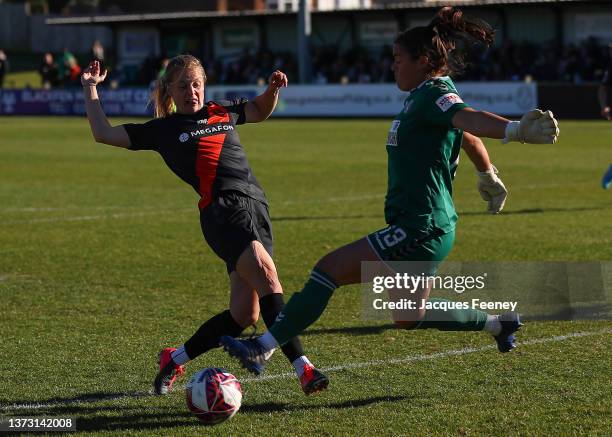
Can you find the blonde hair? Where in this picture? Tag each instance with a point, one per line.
(160, 96)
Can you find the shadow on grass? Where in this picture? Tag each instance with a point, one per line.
(276, 407)
(325, 217)
(350, 330)
(461, 213)
(27, 405)
(132, 418)
(533, 211)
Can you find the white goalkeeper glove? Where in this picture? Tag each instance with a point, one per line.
(492, 190)
(535, 127)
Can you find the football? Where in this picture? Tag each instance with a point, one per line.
(213, 395)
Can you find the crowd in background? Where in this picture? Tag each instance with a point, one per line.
(65, 71)
(510, 62)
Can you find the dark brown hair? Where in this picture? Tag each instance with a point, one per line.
(446, 40)
(160, 96)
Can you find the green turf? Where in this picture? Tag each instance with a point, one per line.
(102, 262)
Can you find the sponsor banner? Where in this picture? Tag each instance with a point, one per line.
(384, 100)
(120, 102)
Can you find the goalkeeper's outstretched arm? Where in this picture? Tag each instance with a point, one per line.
(536, 126)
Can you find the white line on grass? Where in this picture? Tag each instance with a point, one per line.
(96, 217)
(425, 357)
(72, 208)
(332, 199)
(154, 212)
(348, 366)
(145, 213)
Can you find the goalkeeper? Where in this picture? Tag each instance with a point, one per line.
(423, 145)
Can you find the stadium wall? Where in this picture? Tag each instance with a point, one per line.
(14, 27)
(77, 38)
(384, 100)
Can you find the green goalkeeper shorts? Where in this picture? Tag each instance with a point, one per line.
(396, 243)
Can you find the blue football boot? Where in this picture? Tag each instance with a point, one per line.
(606, 180)
(250, 353)
(510, 324)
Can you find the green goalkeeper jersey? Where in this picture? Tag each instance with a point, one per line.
(423, 148)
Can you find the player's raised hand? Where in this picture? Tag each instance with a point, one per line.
(92, 75)
(492, 190)
(535, 127)
(278, 79)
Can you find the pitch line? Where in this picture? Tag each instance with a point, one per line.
(348, 366)
(154, 212)
(426, 357)
(96, 217)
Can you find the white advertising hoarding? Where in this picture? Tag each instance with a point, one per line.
(382, 100)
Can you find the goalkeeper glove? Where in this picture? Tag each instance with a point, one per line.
(535, 127)
(492, 190)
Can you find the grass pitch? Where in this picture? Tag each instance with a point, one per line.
(102, 263)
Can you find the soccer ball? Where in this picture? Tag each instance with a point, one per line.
(213, 395)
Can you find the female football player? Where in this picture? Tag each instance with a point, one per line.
(422, 146)
(200, 144)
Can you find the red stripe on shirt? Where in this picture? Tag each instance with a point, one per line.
(209, 150)
(207, 159)
(217, 114)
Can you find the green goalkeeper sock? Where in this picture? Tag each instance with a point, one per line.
(446, 318)
(304, 308)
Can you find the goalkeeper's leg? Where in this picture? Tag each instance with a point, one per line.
(340, 267)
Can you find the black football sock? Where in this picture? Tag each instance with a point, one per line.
(270, 306)
(208, 335)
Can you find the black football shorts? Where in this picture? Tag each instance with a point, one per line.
(231, 222)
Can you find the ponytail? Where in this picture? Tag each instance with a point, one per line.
(160, 98)
(446, 40)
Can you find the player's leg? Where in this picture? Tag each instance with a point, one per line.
(243, 312)
(256, 267)
(252, 233)
(337, 268)
(441, 314)
(223, 225)
(244, 301)
(340, 267)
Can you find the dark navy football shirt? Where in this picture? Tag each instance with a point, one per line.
(203, 149)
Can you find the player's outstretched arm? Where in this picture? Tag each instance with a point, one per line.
(101, 129)
(263, 105)
(535, 127)
(490, 186)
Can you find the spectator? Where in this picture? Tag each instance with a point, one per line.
(69, 70)
(162, 69)
(97, 53)
(49, 73)
(3, 67)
